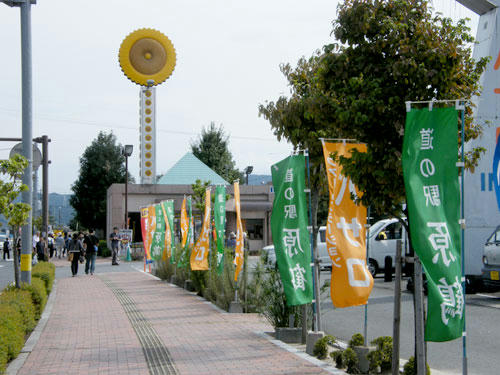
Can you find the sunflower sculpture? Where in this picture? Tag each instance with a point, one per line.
(147, 57)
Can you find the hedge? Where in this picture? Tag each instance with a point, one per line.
(45, 271)
(22, 301)
(20, 309)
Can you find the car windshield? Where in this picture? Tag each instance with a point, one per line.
(376, 227)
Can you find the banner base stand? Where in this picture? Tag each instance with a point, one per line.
(311, 339)
(235, 308)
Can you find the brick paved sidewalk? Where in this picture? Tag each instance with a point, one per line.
(90, 333)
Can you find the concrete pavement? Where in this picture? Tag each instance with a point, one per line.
(132, 323)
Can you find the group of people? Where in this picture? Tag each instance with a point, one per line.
(83, 248)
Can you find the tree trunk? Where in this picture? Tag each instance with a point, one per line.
(16, 261)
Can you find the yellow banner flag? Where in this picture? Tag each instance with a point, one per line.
(351, 282)
(167, 253)
(184, 223)
(199, 255)
(238, 253)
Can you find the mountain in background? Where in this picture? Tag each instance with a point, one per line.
(59, 209)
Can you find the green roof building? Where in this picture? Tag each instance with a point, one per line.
(189, 169)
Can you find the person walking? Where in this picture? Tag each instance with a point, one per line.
(75, 250)
(51, 245)
(40, 249)
(59, 245)
(6, 248)
(91, 242)
(115, 246)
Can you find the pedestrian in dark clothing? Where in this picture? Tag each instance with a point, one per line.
(75, 250)
(91, 242)
(40, 250)
(115, 246)
(6, 248)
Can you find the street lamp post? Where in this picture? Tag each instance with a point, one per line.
(127, 152)
(248, 170)
(27, 128)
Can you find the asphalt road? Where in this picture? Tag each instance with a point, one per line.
(482, 320)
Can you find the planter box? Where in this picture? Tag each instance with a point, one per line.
(311, 339)
(362, 353)
(289, 335)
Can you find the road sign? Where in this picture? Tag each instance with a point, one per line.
(37, 155)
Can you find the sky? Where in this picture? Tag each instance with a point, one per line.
(228, 57)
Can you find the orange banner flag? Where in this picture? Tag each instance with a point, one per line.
(199, 255)
(238, 253)
(184, 223)
(145, 231)
(167, 250)
(351, 282)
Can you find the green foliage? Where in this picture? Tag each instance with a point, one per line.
(351, 361)
(266, 293)
(15, 213)
(356, 340)
(21, 300)
(38, 294)
(199, 190)
(382, 356)
(337, 358)
(410, 367)
(389, 52)
(12, 330)
(212, 148)
(320, 349)
(103, 250)
(101, 165)
(45, 271)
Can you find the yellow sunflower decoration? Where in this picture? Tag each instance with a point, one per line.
(147, 55)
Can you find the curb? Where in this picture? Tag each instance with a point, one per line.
(301, 354)
(30, 344)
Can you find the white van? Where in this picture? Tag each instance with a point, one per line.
(325, 261)
(384, 235)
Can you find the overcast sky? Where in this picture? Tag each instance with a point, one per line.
(228, 56)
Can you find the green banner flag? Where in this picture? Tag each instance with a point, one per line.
(169, 210)
(430, 154)
(289, 229)
(186, 252)
(220, 224)
(158, 241)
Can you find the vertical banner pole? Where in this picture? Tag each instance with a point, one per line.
(397, 311)
(419, 318)
(464, 333)
(315, 269)
(365, 331)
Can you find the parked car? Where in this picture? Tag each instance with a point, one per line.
(491, 262)
(325, 261)
(382, 242)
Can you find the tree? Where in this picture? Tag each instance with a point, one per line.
(101, 165)
(17, 214)
(212, 148)
(392, 52)
(291, 119)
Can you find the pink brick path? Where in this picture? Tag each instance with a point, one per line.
(89, 333)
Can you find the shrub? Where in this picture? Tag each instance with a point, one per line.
(350, 360)
(356, 340)
(320, 349)
(267, 294)
(410, 368)
(103, 249)
(45, 271)
(38, 294)
(337, 358)
(382, 356)
(22, 302)
(11, 331)
(3, 356)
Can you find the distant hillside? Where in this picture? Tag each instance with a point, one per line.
(259, 179)
(59, 209)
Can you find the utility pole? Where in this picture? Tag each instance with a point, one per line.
(45, 187)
